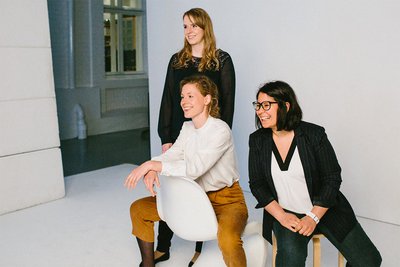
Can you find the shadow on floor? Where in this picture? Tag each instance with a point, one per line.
(105, 150)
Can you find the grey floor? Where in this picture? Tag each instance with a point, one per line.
(105, 150)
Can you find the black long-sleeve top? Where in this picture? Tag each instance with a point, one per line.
(322, 173)
(171, 115)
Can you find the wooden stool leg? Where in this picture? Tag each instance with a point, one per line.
(316, 251)
(340, 260)
(274, 250)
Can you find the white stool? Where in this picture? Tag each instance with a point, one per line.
(316, 251)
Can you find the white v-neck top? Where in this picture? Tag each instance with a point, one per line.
(291, 185)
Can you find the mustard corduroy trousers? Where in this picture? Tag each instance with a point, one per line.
(231, 211)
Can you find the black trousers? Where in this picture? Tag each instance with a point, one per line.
(164, 238)
(357, 248)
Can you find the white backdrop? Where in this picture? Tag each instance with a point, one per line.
(341, 57)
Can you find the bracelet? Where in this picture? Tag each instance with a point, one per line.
(313, 216)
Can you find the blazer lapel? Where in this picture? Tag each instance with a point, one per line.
(268, 147)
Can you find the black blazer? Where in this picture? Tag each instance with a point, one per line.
(322, 174)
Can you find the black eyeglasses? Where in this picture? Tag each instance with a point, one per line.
(266, 105)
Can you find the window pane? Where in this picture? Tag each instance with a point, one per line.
(110, 2)
(111, 42)
(130, 44)
(131, 4)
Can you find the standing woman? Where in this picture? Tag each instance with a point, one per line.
(199, 55)
(204, 151)
(295, 176)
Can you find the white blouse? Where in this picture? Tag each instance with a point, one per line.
(291, 185)
(206, 155)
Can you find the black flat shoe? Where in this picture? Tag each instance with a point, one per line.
(164, 257)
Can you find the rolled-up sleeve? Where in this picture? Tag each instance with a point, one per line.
(172, 160)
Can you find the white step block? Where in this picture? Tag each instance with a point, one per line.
(27, 23)
(30, 179)
(28, 125)
(26, 73)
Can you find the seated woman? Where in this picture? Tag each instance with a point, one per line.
(295, 177)
(203, 151)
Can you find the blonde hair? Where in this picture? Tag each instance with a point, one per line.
(206, 87)
(209, 60)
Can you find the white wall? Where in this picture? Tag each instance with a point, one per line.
(30, 158)
(342, 59)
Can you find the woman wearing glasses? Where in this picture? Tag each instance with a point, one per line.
(295, 176)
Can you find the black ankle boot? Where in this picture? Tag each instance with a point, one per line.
(164, 257)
